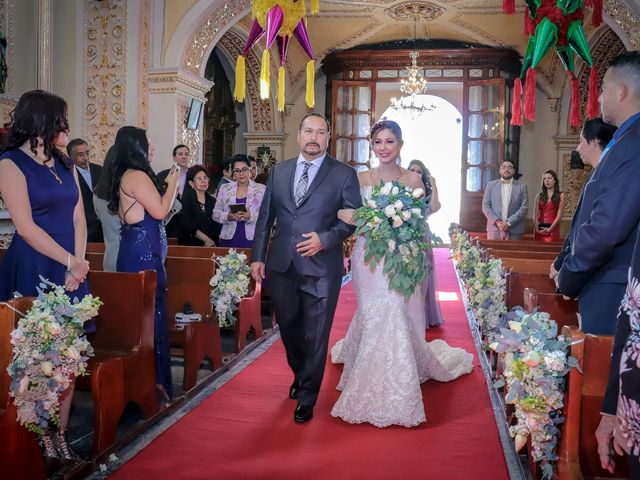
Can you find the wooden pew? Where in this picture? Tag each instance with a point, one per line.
(188, 282)
(123, 369)
(520, 245)
(526, 265)
(578, 449)
(181, 251)
(518, 282)
(530, 254)
(564, 312)
(20, 456)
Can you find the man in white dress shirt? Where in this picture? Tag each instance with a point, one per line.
(505, 205)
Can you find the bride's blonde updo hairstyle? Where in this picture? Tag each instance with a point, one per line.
(387, 124)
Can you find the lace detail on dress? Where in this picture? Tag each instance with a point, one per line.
(385, 358)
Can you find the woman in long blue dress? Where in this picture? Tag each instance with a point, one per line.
(433, 314)
(135, 196)
(39, 187)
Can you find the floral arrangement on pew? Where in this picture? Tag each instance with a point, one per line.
(49, 350)
(536, 364)
(484, 281)
(487, 289)
(230, 283)
(394, 228)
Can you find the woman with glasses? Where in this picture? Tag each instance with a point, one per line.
(238, 205)
(198, 227)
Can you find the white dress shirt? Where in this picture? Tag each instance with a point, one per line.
(86, 174)
(506, 198)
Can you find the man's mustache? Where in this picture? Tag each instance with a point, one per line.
(313, 143)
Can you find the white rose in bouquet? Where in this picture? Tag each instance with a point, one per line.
(416, 212)
(406, 216)
(396, 221)
(398, 204)
(372, 203)
(392, 246)
(394, 191)
(418, 193)
(389, 211)
(386, 189)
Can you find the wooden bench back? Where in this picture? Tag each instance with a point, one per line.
(188, 282)
(531, 254)
(517, 282)
(521, 245)
(526, 265)
(563, 312)
(578, 448)
(125, 321)
(177, 251)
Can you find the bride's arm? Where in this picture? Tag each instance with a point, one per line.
(346, 215)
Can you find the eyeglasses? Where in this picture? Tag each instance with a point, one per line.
(241, 170)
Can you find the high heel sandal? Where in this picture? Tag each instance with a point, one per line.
(46, 441)
(64, 451)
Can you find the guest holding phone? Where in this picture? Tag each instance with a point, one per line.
(238, 205)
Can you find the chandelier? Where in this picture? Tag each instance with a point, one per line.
(414, 84)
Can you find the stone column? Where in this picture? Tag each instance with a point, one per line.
(571, 180)
(43, 44)
(171, 91)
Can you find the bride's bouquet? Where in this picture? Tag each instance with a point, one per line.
(395, 230)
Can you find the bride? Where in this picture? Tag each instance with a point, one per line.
(385, 358)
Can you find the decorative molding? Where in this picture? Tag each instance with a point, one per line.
(479, 32)
(261, 112)
(104, 86)
(205, 33)
(177, 80)
(554, 103)
(409, 11)
(143, 64)
(10, 6)
(626, 19)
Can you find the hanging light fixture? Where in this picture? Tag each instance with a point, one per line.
(414, 84)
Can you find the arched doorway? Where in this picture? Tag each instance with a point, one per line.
(435, 138)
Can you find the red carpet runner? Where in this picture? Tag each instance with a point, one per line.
(245, 430)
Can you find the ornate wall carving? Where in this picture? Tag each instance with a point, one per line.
(572, 181)
(104, 86)
(9, 29)
(190, 138)
(143, 63)
(261, 117)
(627, 20)
(203, 36)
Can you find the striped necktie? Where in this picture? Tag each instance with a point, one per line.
(303, 183)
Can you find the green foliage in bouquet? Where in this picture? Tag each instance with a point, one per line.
(395, 230)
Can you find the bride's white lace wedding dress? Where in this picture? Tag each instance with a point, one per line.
(385, 357)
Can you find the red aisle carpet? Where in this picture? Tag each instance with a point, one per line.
(245, 430)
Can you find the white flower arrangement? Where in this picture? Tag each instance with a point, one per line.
(536, 364)
(49, 350)
(229, 284)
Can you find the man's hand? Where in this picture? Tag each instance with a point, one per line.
(607, 445)
(257, 271)
(553, 273)
(502, 226)
(311, 246)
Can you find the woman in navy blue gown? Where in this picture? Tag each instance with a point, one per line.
(135, 196)
(39, 187)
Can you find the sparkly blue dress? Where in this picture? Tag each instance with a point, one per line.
(52, 206)
(143, 246)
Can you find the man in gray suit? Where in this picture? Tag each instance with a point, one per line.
(305, 260)
(505, 205)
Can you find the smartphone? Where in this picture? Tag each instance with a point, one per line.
(237, 207)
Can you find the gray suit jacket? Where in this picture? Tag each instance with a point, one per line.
(492, 206)
(335, 186)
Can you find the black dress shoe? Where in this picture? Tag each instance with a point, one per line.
(303, 413)
(293, 390)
